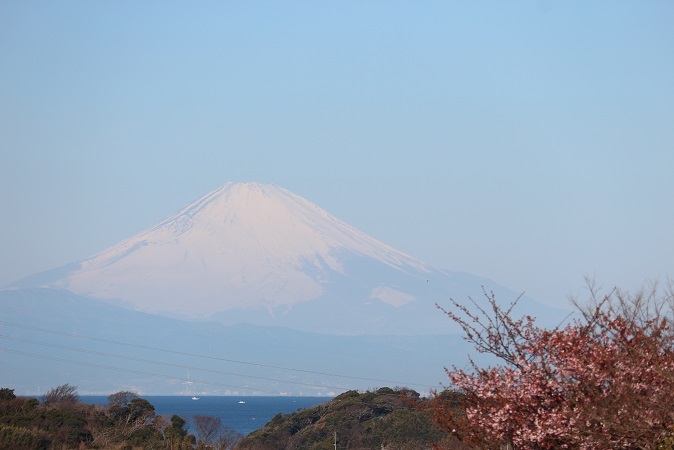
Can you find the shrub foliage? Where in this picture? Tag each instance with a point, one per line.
(60, 421)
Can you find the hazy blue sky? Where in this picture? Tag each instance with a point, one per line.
(531, 142)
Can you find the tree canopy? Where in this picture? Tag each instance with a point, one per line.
(384, 418)
(603, 380)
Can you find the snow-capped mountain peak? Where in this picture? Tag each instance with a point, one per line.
(245, 218)
(257, 253)
(243, 245)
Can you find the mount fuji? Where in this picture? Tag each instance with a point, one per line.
(252, 290)
(259, 254)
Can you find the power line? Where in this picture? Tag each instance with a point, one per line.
(181, 366)
(208, 357)
(122, 369)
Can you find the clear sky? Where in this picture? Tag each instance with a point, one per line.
(531, 142)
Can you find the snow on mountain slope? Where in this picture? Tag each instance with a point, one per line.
(249, 252)
(240, 246)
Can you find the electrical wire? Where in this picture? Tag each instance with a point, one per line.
(213, 358)
(122, 369)
(180, 366)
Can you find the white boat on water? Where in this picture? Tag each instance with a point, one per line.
(189, 385)
(241, 401)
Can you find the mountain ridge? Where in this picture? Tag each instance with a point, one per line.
(257, 253)
(367, 309)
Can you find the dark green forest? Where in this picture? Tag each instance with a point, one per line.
(393, 419)
(58, 420)
(386, 418)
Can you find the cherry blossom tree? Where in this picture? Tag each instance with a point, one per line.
(602, 380)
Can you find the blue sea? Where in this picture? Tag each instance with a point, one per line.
(243, 414)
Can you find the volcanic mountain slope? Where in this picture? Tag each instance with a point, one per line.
(249, 252)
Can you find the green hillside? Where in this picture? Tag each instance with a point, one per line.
(387, 418)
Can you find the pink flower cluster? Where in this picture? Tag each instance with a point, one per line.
(605, 382)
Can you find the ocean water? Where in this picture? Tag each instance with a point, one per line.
(243, 414)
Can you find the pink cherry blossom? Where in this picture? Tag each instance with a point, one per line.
(604, 381)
